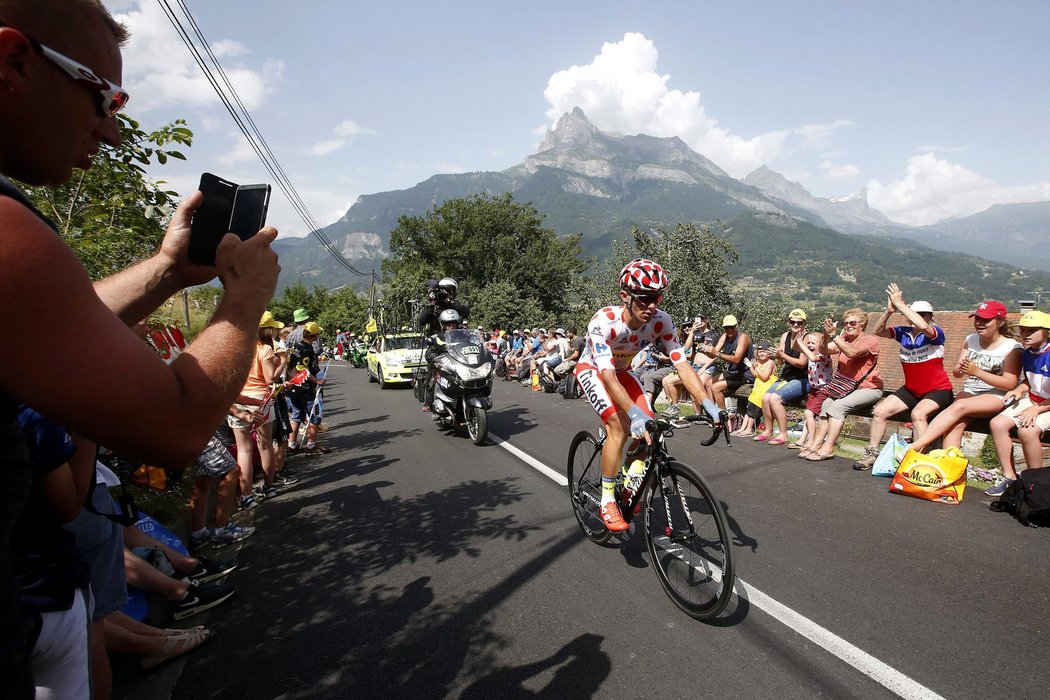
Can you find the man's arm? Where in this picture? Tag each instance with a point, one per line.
(113, 388)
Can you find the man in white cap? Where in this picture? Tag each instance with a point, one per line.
(927, 388)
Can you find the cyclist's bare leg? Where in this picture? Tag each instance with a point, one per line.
(618, 429)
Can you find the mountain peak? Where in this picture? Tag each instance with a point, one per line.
(573, 129)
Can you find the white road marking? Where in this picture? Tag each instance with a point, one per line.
(880, 672)
(530, 460)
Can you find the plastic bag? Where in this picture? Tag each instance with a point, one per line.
(890, 457)
(939, 476)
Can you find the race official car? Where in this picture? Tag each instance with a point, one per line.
(392, 358)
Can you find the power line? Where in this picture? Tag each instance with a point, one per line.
(242, 117)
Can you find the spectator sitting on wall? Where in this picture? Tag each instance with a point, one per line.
(927, 387)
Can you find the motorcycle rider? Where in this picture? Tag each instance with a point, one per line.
(441, 295)
(448, 320)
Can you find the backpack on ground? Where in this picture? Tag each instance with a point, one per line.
(548, 383)
(569, 387)
(1028, 498)
(523, 372)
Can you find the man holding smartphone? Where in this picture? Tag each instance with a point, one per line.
(60, 70)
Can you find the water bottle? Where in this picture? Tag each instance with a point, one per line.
(633, 478)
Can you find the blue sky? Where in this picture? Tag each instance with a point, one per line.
(939, 109)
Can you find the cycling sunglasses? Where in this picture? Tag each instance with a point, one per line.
(647, 299)
(112, 97)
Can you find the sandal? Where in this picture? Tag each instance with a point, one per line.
(817, 457)
(761, 438)
(174, 647)
(797, 446)
(776, 441)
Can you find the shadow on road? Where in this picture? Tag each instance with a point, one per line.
(579, 669)
(510, 421)
(316, 617)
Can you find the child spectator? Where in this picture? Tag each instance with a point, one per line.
(301, 396)
(1027, 406)
(764, 370)
(819, 373)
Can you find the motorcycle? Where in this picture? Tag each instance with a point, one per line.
(462, 384)
(357, 353)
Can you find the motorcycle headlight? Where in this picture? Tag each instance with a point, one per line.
(474, 372)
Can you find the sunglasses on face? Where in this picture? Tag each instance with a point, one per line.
(646, 299)
(112, 98)
(796, 323)
(851, 323)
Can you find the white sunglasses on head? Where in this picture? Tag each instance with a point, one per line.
(112, 97)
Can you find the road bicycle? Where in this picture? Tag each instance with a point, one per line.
(686, 530)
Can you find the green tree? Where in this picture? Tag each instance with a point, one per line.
(345, 310)
(294, 297)
(482, 241)
(112, 215)
(694, 258)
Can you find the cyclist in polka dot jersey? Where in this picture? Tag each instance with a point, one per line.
(614, 336)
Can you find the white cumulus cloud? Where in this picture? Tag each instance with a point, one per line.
(934, 189)
(621, 90)
(342, 135)
(159, 71)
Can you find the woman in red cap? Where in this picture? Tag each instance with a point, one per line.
(991, 362)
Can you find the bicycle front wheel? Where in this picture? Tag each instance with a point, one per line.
(688, 538)
(585, 485)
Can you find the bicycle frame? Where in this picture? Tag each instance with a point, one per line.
(656, 459)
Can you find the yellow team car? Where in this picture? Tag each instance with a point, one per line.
(392, 358)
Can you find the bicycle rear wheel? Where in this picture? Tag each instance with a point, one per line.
(688, 539)
(585, 485)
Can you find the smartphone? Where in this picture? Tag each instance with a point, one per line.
(227, 207)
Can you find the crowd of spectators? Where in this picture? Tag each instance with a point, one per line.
(68, 550)
(834, 372)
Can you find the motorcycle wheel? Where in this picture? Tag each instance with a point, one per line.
(477, 424)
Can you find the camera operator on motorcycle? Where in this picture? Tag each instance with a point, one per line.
(614, 336)
(448, 320)
(440, 296)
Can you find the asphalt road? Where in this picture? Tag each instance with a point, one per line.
(410, 563)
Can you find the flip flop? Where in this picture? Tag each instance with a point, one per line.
(817, 457)
(796, 446)
(760, 438)
(776, 441)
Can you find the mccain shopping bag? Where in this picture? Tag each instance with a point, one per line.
(890, 457)
(938, 476)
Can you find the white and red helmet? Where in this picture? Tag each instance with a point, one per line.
(642, 276)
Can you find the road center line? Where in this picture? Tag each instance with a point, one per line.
(530, 460)
(880, 672)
